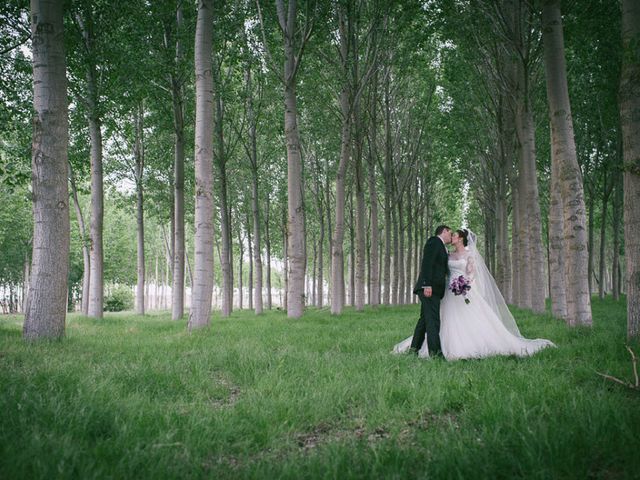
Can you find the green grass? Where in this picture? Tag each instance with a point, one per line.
(321, 397)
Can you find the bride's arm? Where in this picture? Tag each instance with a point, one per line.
(470, 269)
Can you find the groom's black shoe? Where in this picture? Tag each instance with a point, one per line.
(437, 355)
(412, 351)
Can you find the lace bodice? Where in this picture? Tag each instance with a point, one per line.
(463, 265)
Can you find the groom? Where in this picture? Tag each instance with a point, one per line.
(430, 289)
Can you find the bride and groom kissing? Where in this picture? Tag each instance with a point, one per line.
(462, 312)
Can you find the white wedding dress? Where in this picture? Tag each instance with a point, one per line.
(483, 327)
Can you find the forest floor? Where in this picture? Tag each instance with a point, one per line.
(320, 397)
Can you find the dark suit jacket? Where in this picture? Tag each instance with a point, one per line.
(434, 269)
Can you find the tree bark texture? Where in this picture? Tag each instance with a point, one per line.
(337, 254)
(46, 307)
(96, 281)
(629, 94)
(564, 150)
(296, 234)
(177, 96)
(139, 171)
(203, 258)
(82, 230)
(253, 160)
(557, 278)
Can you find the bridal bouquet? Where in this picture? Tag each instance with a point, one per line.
(460, 286)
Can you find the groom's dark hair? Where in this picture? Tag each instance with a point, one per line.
(441, 228)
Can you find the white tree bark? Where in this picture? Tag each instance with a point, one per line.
(617, 216)
(374, 261)
(226, 250)
(360, 220)
(178, 251)
(47, 297)
(532, 278)
(388, 193)
(564, 150)
(337, 254)
(82, 230)
(96, 280)
(267, 244)
(629, 94)
(139, 171)
(297, 257)
(202, 289)
(253, 160)
(515, 244)
(557, 278)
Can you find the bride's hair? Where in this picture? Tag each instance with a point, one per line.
(465, 236)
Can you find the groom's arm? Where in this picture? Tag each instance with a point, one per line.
(426, 269)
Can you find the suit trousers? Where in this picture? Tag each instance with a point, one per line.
(428, 323)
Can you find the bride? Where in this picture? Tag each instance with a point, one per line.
(475, 321)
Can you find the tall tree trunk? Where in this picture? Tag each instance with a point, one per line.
(374, 271)
(202, 289)
(337, 256)
(418, 233)
(400, 267)
(629, 94)
(47, 298)
(82, 230)
(296, 238)
(250, 247)
(503, 261)
(253, 160)
(226, 251)
(330, 230)
(603, 236)
(267, 241)
(407, 291)
(320, 261)
(96, 281)
(352, 254)
(178, 250)
(26, 278)
(337, 253)
(515, 244)
(533, 280)
(285, 269)
(388, 194)
(360, 220)
(189, 272)
(591, 235)
(139, 171)
(165, 283)
(578, 295)
(557, 279)
(395, 279)
(617, 214)
(156, 290)
(314, 271)
(524, 249)
(240, 266)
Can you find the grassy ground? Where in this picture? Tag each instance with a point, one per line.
(321, 397)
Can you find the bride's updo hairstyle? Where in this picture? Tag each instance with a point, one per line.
(464, 234)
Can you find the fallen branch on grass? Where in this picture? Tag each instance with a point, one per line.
(634, 362)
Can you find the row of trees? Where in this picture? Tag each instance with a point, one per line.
(389, 112)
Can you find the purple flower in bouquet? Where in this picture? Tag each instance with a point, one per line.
(460, 286)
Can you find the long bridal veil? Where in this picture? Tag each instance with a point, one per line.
(488, 289)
